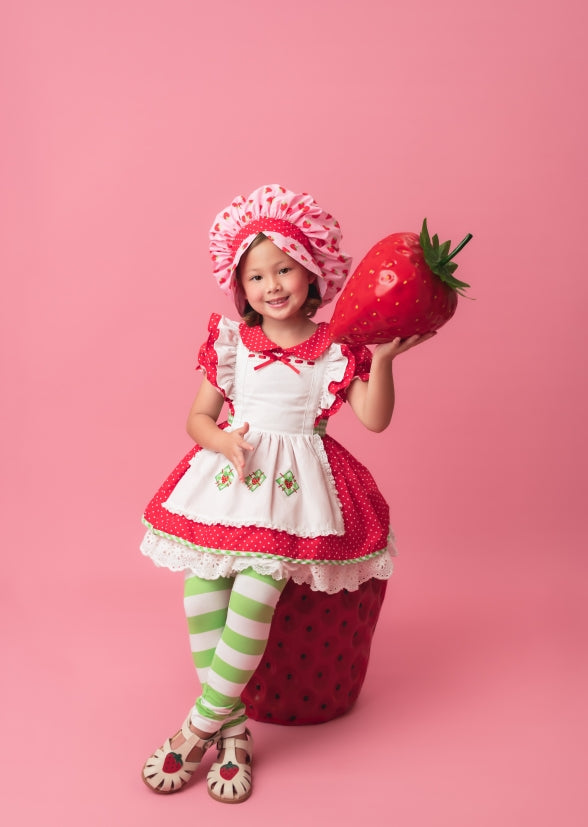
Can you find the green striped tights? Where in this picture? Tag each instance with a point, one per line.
(229, 621)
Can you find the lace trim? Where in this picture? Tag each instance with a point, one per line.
(179, 541)
(324, 460)
(322, 576)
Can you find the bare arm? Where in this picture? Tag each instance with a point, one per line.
(202, 427)
(373, 401)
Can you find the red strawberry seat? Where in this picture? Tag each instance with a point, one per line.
(317, 655)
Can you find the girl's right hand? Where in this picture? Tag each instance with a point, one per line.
(205, 432)
(235, 449)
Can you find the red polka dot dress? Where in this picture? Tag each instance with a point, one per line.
(306, 509)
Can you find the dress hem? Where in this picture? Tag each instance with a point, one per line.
(328, 576)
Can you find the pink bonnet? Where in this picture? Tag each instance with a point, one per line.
(294, 222)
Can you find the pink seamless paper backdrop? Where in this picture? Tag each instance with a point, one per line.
(127, 126)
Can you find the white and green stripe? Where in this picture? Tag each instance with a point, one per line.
(229, 623)
(205, 604)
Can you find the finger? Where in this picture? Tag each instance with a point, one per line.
(241, 433)
(243, 445)
(390, 346)
(412, 340)
(424, 338)
(239, 463)
(241, 466)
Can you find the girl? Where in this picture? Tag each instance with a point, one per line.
(267, 496)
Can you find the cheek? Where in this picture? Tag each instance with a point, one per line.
(307, 279)
(252, 291)
(239, 290)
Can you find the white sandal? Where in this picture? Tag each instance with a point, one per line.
(168, 769)
(231, 781)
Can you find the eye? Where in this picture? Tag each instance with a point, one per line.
(255, 278)
(283, 270)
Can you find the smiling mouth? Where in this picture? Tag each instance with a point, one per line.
(277, 302)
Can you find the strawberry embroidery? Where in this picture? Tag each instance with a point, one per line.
(287, 482)
(173, 762)
(229, 771)
(225, 477)
(254, 480)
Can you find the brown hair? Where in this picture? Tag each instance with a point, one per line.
(252, 317)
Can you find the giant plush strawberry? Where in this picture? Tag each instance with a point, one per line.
(403, 286)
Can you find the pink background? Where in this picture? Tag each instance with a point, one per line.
(127, 126)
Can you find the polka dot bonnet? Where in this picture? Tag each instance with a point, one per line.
(294, 222)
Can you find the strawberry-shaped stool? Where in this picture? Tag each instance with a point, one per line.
(317, 655)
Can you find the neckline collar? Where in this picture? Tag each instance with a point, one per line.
(255, 339)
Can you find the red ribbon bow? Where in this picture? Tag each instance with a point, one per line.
(275, 356)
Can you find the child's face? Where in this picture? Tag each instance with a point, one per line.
(274, 284)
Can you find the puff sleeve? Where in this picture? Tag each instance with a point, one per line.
(345, 364)
(217, 355)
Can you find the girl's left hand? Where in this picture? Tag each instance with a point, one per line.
(390, 350)
(373, 401)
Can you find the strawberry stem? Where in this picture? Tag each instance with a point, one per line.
(459, 247)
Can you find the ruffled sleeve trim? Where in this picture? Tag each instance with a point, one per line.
(345, 364)
(218, 354)
(363, 362)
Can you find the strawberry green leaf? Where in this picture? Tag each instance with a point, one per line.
(439, 259)
(444, 249)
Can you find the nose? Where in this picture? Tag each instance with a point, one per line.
(273, 284)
